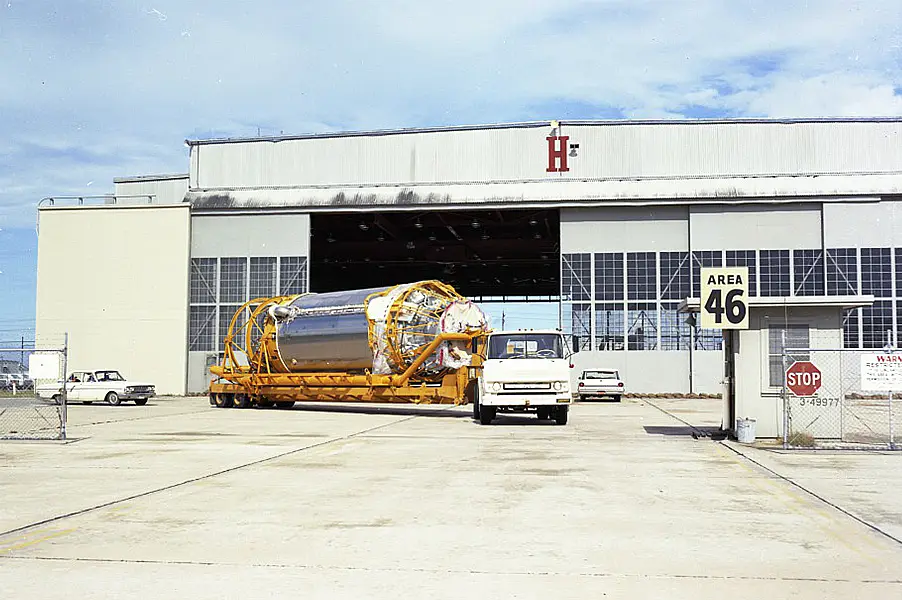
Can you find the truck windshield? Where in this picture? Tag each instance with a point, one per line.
(525, 345)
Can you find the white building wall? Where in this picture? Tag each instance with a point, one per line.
(115, 278)
(624, 229)
(761, 227)
(163, 189)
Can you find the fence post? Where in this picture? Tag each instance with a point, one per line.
(783, 390)
(63, 409)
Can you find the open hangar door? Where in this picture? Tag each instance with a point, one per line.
(484, 254)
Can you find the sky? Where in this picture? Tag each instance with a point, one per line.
(96, 89)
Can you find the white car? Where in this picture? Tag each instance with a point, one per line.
(107, 386)
(597, 383)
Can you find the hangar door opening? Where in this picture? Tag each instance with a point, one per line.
(507, 260)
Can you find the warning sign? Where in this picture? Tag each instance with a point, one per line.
(881, 372)
(724, 301)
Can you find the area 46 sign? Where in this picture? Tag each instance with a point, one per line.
(724, 301)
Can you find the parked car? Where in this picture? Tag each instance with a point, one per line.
(107, 386)
(598, 383)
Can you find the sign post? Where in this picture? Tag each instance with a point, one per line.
(724, 299)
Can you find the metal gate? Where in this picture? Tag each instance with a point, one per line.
(849, 408)
(32, 395)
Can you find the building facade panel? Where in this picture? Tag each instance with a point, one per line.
(115, 278)
(170, 189)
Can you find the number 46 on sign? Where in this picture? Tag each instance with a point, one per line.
(724, 301)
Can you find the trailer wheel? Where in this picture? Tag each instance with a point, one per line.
(560, 416)
(476, 403)
(261, 403)
(285, 404)
(242, 401)
(212, 399)
(486, 414)
(223, 400)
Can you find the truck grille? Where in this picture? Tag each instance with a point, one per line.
(527, 387)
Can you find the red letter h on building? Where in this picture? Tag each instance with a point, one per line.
(557, 151)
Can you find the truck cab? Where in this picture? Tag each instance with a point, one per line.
(524, 371)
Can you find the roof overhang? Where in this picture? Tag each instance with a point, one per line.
(607, 192)
(690, 305)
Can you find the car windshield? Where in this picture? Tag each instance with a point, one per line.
(600, 375)
(525, 345)
(109, 376)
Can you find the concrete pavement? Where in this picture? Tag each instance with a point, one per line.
(179, 498)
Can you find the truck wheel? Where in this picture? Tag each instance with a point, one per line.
(265, 403)
(560, 416)
(113, 398)
(285, 404)
(242, 401)
(543, 413)
(140, 401)
(486, 414)
(476, 403)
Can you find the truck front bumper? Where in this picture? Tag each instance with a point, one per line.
(525, 400)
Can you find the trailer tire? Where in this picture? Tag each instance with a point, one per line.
(486, 414)
(261, 403)
(560, 416)
(285, 404)
(242, 401)
(476, 403)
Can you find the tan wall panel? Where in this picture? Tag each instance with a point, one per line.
(116, 279)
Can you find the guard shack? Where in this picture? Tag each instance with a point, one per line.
(756, 330)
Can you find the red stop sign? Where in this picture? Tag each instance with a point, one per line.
(803, 378)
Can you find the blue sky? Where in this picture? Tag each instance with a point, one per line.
(96, 89)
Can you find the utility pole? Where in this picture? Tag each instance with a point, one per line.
(502, 319)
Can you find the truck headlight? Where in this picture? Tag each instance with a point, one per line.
(558, 386)
(495, 387)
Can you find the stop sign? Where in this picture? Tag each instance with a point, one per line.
(803, 378)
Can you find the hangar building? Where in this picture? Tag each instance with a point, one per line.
(609, 220)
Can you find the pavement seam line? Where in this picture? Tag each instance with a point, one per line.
(200, 478)
(204, 563)
(799, 486)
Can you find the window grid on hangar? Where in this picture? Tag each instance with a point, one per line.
(622, 282)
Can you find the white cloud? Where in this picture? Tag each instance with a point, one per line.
(95, 89)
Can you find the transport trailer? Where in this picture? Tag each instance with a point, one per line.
(412, 343)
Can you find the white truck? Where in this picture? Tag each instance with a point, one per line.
(524, 371)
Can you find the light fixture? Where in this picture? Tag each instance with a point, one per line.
(475, 224)
(330, 239)
(484, 235)
(417, 223)
(380, 237)
(533, 222)
(537, 235)
(432, 237)
(363, 226)
(411, 245)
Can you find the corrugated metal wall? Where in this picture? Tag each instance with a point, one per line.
(165, 191)
(622, 150)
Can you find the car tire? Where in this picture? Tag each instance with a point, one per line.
(560, 416)
(113, 398)
(141, 401)
(486, 414)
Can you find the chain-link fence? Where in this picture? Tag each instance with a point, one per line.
(841, 398)
(32, 394)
